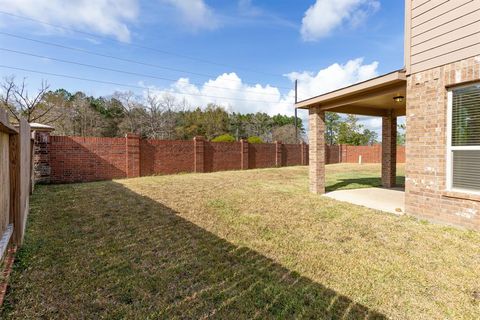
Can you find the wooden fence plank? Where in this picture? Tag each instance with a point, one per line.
(4, 182)
(14, 156)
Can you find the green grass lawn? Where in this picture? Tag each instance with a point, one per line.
(236, 245)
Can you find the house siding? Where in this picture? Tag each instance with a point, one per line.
(426, 146)
(439, 32)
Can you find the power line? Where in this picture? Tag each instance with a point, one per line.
(123, 71)
(126, 85)
(138, 46)
(52, 44)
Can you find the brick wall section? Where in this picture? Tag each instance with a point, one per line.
(261, 155)
(223, 156)
(76, 159)
(351, 154)
(291, 154)
(166, 157)
(426, 194)
(333, 154)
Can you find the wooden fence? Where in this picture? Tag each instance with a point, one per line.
(15, 180)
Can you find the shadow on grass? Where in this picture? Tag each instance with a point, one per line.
(358, 183)
(99, 250)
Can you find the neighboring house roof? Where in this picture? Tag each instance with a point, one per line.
(40, 127)
(372, 97)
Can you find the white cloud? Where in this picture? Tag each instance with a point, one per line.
(326, 15)
(266, 98)
(270, 99)
(196, 14)
(247, 8)
(230, 92)
(106, 17)
(333, 77)
(372, 123)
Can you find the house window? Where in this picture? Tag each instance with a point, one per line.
(463, 159)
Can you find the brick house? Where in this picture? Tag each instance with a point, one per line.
(439, 93)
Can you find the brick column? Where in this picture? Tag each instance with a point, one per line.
(133, 155)
(41, 157)
(199, 154)
(304, 153)
(244, 154)
(343, 153)
(389, 150)
(316, 138)
(278, 153)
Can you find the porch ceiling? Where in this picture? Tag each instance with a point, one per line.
(371, 98)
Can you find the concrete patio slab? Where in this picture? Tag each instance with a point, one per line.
(388, 200)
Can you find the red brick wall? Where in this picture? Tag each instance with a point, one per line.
(291, 154)
(166, 157)
(75, 159)
(261, 155)
(78, 159)
(351, 154)
(401, 154)
(222, 156)
(370, 154)
(333, 154)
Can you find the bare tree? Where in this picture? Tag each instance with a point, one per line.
(285, 134)
(17, 100)
(132, 109)
(161, 116)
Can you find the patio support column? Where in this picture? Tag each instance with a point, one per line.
(316, 139)
(389, 149)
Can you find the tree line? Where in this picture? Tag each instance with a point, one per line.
(163, 117)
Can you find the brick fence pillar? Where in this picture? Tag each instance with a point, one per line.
(132, 144)
(343, 153)
(304, 153)
(278, 153)
(244, 154)
(199, 154)
(316, 137)
(41, 157)
(389, 150)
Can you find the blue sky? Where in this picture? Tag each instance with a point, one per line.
(247, 52)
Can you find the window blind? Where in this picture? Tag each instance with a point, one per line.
(466, 116)
(466, 169)
(465, 133)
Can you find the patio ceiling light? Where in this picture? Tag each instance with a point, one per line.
(398, 98)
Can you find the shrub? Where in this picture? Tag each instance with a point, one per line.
(224, 138)
(254, 139)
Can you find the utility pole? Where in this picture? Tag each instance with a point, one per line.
(296, 117)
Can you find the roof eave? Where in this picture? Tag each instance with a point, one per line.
(386, 80)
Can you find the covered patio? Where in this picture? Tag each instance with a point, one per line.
(384, 96)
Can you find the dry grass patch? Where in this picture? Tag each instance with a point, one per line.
(251, 244)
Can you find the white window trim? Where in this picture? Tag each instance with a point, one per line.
(450, 148)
